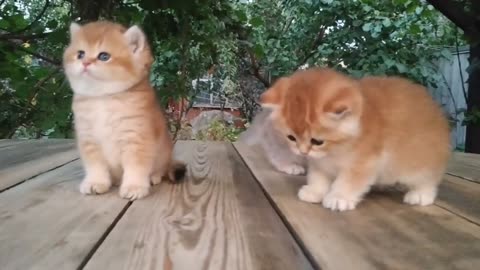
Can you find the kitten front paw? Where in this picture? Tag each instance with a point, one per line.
(310, 194)
(156, 179)
(293, 169)
(336, 202)
(133, 192)
(94, 187)
(420, 197)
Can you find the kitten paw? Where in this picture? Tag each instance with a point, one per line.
(94, 187)
(310, 194)
(335, 202)
(132, 192)
(156, 179)
(293, 169)
(420, 197)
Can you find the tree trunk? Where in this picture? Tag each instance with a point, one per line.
(472, 143)
(89, 10)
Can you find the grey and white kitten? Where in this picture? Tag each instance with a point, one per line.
(274, 144)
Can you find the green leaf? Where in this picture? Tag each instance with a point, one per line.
(256, 21)
(270, 59)
(424, 71)
(52, 24)
(357, 23)
(401, 67)
(446, 53)
(367, 8)
(258, 49)
(4, 24)
(367, 27)
(241, 15)
(415, 29)
(418, 10)
(386, 22)
(389, 63)
(169, 54)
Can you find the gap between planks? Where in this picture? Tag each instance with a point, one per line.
(30, 178)
(328, 234)
(104, 236)
(283, 218)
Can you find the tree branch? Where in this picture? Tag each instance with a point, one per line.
(287, 25)
(256, 69)
(455, 13)
(465, 95)
(17, 47)
(22, 37)
(39, 16)
(318, 40)
(29, 107)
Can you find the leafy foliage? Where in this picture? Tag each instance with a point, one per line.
(244, 44)
(219, 131)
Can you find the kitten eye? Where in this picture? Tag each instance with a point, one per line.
(80, 54)
(103, 56)
(291, 138)
(316, 142)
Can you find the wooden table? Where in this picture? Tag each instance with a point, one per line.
(232, 212)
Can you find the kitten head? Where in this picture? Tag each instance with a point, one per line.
(317, 110)
(105, 58)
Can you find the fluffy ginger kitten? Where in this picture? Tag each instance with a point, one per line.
(357, 133)
(121, 130)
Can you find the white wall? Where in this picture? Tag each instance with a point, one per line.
(453, 99)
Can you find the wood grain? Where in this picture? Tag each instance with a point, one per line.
(461, 197)
(382, 233)
(217, 219)
(465, 165)
(6, 142)
(45, 223)
(23, 160)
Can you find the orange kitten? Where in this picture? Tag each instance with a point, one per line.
(357, 133)
(121, 130)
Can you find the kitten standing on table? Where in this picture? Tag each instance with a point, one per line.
(357, 133)
(120, 129)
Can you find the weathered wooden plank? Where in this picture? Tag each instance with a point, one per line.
(465, 165)
(46, 223)
(217, 219)
(5, 142)
(27, 159)
(461, 197)
(382, 233)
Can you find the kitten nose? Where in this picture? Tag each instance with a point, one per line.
(86, 63)
(304, 150)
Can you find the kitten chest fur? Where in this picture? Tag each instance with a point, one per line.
(100, 120)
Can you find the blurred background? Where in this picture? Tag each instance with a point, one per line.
(215, 57)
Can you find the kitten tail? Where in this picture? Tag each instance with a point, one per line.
(177, 171)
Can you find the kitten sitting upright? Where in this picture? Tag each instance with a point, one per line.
(275, 146)
(357, 133)
(120, 129)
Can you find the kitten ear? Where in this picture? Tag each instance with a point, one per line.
(274, 95)
(345, 102)
(339, 111)
(136, 39)
(74, 28)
